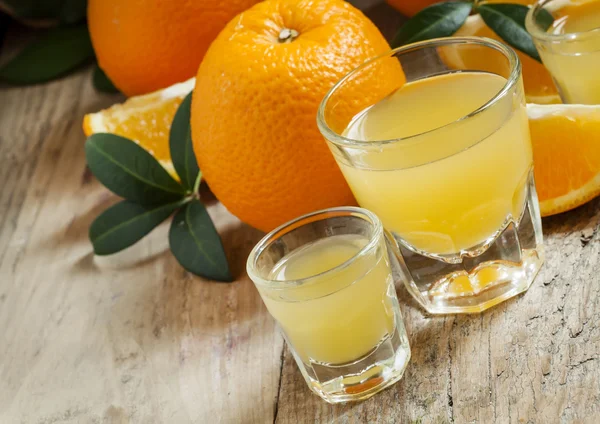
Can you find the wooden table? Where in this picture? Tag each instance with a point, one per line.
(134, 339)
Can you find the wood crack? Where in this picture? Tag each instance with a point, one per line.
(449, 392)
(580, 363)
(587, 237)
(282, 358)
(552, 280)
(578, 333)
(490, 380)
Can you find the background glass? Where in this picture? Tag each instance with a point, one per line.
(573, 58)
(343, 323)
(460, 199)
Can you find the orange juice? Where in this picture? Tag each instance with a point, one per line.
(341, 315)
(574, 64)
(448, 190)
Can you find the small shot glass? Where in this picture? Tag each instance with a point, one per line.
(326, 278)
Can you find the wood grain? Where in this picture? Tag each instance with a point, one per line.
(132, 338)
(533, 359)
(128, 338)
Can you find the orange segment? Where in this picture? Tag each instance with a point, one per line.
(144, 119)
(566, 150)
(539, 87)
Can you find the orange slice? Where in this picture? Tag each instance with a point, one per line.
(566, 153)
(144, 119)
(539, 87)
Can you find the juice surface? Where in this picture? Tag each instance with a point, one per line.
(574, 64)
(451, 189)
(340, 316)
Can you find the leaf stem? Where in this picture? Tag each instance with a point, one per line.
(197, 183)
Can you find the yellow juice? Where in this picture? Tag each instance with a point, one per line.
(446, 190)
(574, 64)
(339, 316)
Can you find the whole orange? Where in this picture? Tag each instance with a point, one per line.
(146, 45)
(255, 103)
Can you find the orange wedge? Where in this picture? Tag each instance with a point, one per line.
(565, 138)
(566, 153)
(144, 119)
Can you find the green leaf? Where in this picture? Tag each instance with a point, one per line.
(180, 143)
(73, 11)
(129, 171)
(52, 55)
(33, 9)
(196, 244)
(438, 20)
(67, 11)
(544, 19)
(4, 19)
(125, 223)
(508, 21)
(101, 81)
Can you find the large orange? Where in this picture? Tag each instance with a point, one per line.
(255, 103)
(146, 45)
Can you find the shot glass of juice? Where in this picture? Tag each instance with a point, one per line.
(326, 278)
(444, 158)
(567, 36)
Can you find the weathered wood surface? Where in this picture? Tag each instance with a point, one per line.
(134, 339)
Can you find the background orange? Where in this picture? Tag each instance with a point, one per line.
(146, 45)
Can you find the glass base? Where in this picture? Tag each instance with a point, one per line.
(363, 378)
(486, 275)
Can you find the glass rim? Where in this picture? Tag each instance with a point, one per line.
(515, 73)
(300, 221)
(536, 32)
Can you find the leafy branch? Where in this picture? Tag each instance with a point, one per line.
(437, 20)
(445, 18)
(55, 52)
(151, 196)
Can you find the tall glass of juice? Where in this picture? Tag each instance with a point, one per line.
(326, 278)
(443, 157)
(567, 36)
